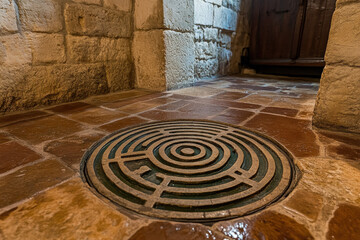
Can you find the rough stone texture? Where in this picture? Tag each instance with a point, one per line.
(179, 15)
(345, 222)
(122, 5)
(119, 75)
(40, 16)
(337, 105)
(16, 51)
(203, 12)
(225, 18)
(148, 14)
(7, 16)
(96, 21)
(149, 59)
(47, 48)
(179, 59)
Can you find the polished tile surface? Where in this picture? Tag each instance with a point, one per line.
(43, 197)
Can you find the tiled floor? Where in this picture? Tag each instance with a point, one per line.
(43, 197)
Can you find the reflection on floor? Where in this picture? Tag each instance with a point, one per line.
(43, 197)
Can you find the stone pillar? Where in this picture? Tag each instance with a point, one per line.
(163, 45)
(338, 101)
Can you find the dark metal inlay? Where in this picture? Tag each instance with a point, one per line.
(189, 170)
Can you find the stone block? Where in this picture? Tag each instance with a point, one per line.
(337, 105)
(179, 15)
(206, 50)
(15, 50)
(149, 59)
(225, 18)
(40, 16)
(180, 59)
(211, 34)
(47, 48)
(206, 68)
(97, 21)
(343, 45)
(95, 2)
(148, 14)
(119, 75)
(204, 13)
(122, 5)
(93, 49)
(224, 60)
(232, 4)
(217, 2)
(7, 17)
(198, 33)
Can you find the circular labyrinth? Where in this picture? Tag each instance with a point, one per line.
(189, 170)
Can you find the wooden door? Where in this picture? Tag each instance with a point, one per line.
(290, 32)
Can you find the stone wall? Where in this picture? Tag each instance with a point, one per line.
(338, 102)
(54, 51)
(221, 32)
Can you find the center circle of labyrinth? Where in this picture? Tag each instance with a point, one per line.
(189, 170)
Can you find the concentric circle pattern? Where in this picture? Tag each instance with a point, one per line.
(189, 170)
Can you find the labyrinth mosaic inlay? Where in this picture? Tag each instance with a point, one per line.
(189, 170)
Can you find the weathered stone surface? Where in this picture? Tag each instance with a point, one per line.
(179, 59)
(96, 2)
(7, 16)
(69, 211)
(198, 33)
(337, 105)
(268, 225)
(93, 49)
(206, 50)
(29, 180)
(122, 5)
(41, 16)
(343, 41)
(119, 75)
(47, 48)
(211, 34)
(204, 13)
(97, 21)
(15, 50)
(345, 223)
(179, 15)
(217, 2)
(233, 4)
(225, 18)
(149, 14)
(206, 68)
(168, 231)
(149, 59)
(224, 60)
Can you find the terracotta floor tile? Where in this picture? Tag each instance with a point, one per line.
(233, 116)
(198, 91)
(281, 111)
(344, 151)
(4, 138)
(268, 225)
(231, 96)
(29, 180)
(345, 223)
(13, 118)
(342, 137)
(174, 106)
(12, 155)
(182, 97)
(165, 115)
(253, 87)
(203, 109)
(97, 116)
(71, 149)
(123, 123)
(71, 108)
(217, 102)
(160, 101)
(113, 97)
(43, 129)
(168, 231)
(257, 99)
(294, 134)
(138, 107)
(306, 203)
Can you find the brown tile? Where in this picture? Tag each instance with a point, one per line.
(174, 106)
(306, 203)
(43, 129)
(233, 116)
(68, 211)
(268, 225)
(29, 180)
(258, 99)
(217, 102)
(160, 101)
(13, 118)
(138, 107)
(127, 102)
(198, 91)
(71, 108)
(253, 87)
(4, 138)
(71, 149)
(344, 151)
(246, 105)
(168, 231)
(164, 115)
(294, 134)
(182, 97)
(231, 96)
(97, 116)
(123, 123)
(203, 109)
(345, 223)
(281, 111)
(13, 155)
(114, 97)
(350, 139)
